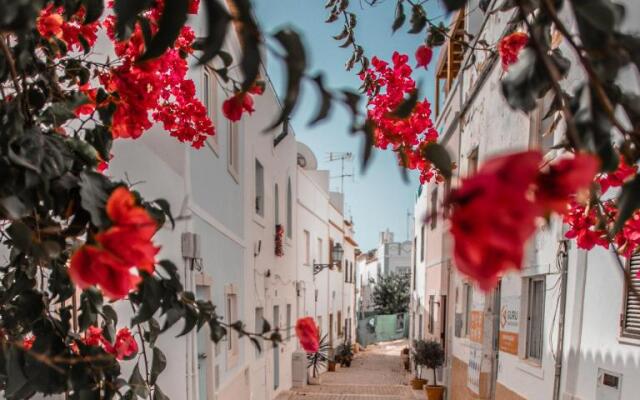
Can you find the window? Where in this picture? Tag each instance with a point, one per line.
(339, 323)
(631, 313)
(434, 208)
(422, 244)
(535, 318)
(468, 302)
(232, 316)
(233, 157)
(307, 247)
(331, 253)
(209, 91)
(319, 254)
(259, 189)
(289, 210)
(259, 324)
(431, 321)
(204, 351)
(420, 327)
(276, 205)
(288, 327)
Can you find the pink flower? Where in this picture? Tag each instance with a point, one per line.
(307, 333)
(423, 56)
(510, 47)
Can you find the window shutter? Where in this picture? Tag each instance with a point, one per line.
(631, 321)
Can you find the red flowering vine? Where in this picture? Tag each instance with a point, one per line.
(308, 335)
(510, 47)
(120, 252)
(423, 56)
(73, 32)
(241, 102)
(387, 86)
(487, 244)
(279, 240)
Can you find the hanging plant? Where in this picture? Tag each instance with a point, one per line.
(279, 240)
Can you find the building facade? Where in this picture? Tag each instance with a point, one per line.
(552, 330)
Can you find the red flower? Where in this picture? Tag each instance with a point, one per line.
(618, 177)
(423, 56)
(27, 342)
(193, 6)
(235, 106)
(308, 335)
(50, 24)
(510, 46)
(257, 88)
(120, 252)
(563, 179)
(489, 243)
(124, 347)
(93, 336)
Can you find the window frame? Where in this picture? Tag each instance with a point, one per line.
(210, 101)
(627, 294)
(528, 346)
(259, 194)
(233, 150)
(467, 291)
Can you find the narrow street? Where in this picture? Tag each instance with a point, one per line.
(376, 373)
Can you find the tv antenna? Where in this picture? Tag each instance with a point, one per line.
(342, 157)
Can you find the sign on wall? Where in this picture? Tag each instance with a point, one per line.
(474, 367)
(509, 324)
(476, 326)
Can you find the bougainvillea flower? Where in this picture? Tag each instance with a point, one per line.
(120, 252)
(93, 336)
(50, 24)
(563, 179)
(308, 335)
(510, 47)
(618, 177)
(235, 106)
(28, 341)
(124, 347)
(490, 243)
(423, 56)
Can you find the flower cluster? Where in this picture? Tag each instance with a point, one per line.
(423, 56)
(73, 32)
(510, 47)
(387, 86)
(113, 262)
(155, 90)
(279, 240)
(487, 244)
(590, 224)
(308, 335)
(241, 102)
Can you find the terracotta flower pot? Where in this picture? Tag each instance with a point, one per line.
(407, 365)
(332, 366)
(314, 380)
(435, 392)
(418, 384)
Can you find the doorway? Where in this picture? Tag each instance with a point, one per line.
(276, 349)
(495, 350)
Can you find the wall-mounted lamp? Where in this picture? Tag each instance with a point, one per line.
(336, 255)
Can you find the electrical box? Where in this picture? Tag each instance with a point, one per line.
(190, 245)
(609, 385)
(299, 368)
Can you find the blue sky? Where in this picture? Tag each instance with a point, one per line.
(379, 198)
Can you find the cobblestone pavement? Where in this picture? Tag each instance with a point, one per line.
(376, 373)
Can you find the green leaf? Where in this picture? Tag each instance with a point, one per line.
(137, 383)
(628, 202)
(158, 394)
(399, 18)
(166, 209)
(250, 38)
(126, 12)
(94, 192)
(453, 5)
(20, 235)
(418, 19)
(439, 156)
(174, 16)
(158, 365)
(217, 22)
(94, 10)
(325, 100)
(296, 62)
(216, 331)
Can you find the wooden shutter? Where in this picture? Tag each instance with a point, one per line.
(631, 314)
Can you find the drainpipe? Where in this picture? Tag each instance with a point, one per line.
(563, 262)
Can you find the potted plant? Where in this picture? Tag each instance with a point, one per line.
(344, 354)
(404, 354)
(434, 358)
(316, 361)
(419, 361)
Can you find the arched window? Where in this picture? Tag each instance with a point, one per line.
(276, 204)
(289, 210)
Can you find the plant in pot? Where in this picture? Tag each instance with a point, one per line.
(332, 360)
(317, 360)
(434, 358)
(404, 354)
(419, 354)
(344, 354)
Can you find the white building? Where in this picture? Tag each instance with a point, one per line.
(556, 330)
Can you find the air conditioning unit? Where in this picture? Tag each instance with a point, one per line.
(299, 368)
